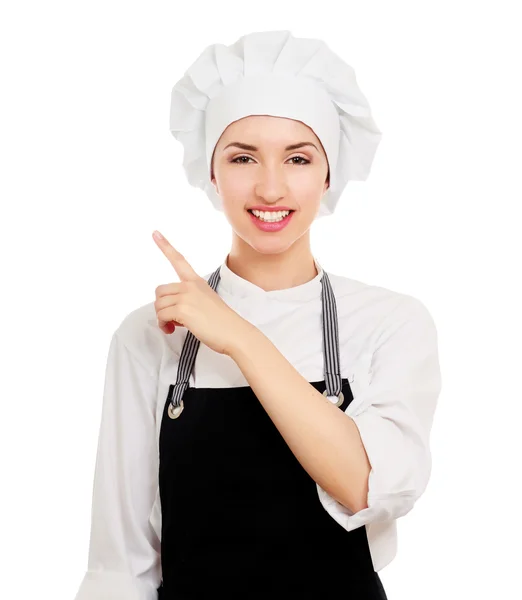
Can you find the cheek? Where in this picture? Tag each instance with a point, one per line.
(307, 185)
(234, 182)
(307, 180)
(234, 189)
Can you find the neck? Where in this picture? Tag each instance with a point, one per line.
(275, 271)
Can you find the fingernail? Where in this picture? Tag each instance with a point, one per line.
(158, 235)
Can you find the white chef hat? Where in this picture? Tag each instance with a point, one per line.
(274, 73)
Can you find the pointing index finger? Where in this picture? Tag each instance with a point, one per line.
(177, 260)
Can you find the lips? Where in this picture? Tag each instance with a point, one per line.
(271, 226)
(270, 208)
(290, 210)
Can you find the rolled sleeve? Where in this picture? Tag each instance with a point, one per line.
(124, 549)
(394, 415)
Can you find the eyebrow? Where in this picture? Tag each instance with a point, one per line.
(255, 148)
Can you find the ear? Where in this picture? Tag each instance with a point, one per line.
(214, 182)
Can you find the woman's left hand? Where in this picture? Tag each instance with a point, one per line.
(193, 304)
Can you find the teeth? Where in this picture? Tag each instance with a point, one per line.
(271, 216)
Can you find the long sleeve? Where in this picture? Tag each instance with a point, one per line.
(124, 550)
(394, 415)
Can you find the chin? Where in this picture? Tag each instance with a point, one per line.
(269, 245)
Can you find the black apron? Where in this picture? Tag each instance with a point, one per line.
(241, 518)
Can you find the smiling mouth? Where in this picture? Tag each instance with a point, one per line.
(274, 220)
(273, 223)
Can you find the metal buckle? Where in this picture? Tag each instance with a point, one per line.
(175, 411)
(340, 398)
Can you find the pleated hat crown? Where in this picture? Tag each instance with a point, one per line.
(274, 73)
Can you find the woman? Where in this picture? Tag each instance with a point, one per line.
(265, 425)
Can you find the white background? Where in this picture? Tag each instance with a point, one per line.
(89, 169)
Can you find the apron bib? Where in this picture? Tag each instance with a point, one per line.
(241, 518)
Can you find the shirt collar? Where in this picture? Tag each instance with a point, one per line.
(236, 286)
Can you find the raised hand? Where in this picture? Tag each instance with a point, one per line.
(193, 304)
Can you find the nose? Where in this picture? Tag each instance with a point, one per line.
(271, 185)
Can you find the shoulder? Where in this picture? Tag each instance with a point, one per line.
(356, 293)
(376, 308)
(138, 331)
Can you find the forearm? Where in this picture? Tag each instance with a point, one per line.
(323, 438)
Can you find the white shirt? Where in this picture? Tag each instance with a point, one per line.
(388, 351)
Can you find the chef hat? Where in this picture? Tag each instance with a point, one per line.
(274, 73)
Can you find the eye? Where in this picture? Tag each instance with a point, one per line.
(237, 160)
(306, 161)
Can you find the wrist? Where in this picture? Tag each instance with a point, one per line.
(243, 339)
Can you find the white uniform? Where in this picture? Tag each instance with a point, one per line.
(388, 353)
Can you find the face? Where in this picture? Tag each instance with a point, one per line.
(266, 174)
